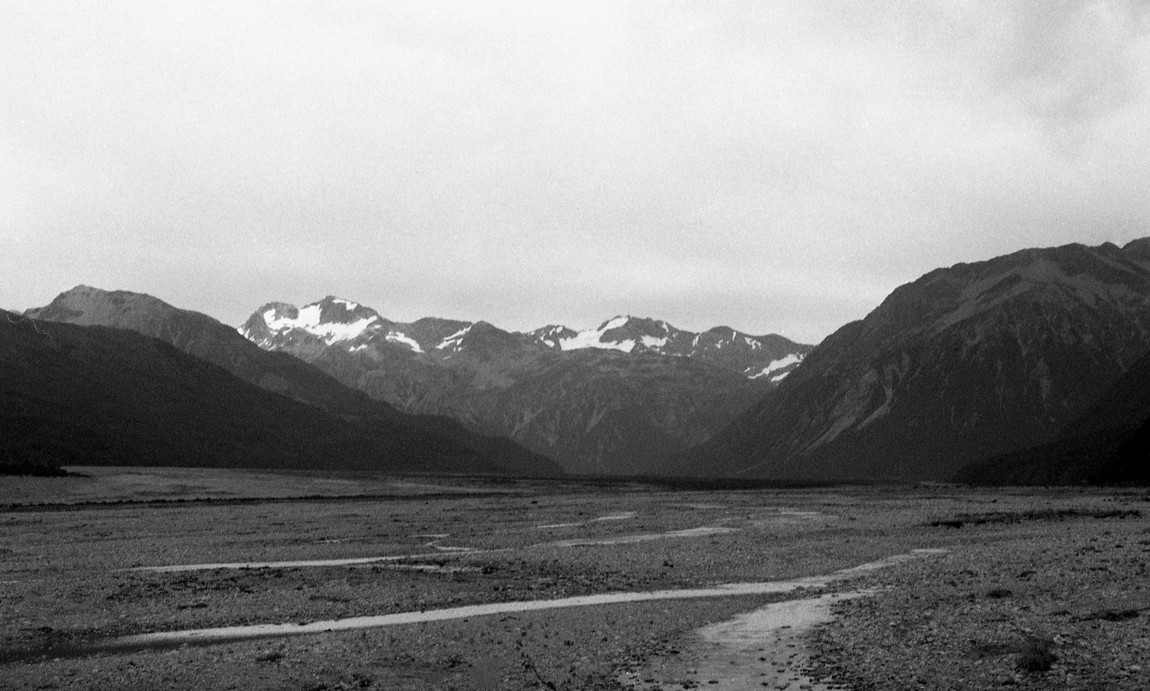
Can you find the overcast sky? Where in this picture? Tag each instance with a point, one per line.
(773, 166)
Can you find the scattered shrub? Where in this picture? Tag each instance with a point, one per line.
(1036, 655)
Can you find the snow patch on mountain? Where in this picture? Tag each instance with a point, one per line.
(400, 337)
(775, 365)
(309, 319)
(593, 338)
(454, 339)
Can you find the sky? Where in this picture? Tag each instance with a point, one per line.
(776, 167)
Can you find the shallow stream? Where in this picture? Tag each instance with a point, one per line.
(163, 639)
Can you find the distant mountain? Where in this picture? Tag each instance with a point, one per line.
(309, 330)
(968, 362)
(771, 356)
(207, 339)
(616, 399)
(93, 395)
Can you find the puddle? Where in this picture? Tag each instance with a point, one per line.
(426, 486)
(889, 561)
(167, 639)
(441, 551)
(444, 550)
(643, 537)
(612, 517)
(765, 648)
(802, 514)
(615, 517)
(301, 563)
(760, 649)
(786, 516)
(225, 634)
(430, 568)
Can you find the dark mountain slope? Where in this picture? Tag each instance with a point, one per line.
(96, 395)
(1109, 444)
(207, 339)
(966, 362)
(597, 411)
(606, 411)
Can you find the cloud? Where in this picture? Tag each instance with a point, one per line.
(1073, 60)
(1066, 64)
(771, 164)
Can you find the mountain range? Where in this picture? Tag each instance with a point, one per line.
(617, 399)
(402, 441)
(1033, 367)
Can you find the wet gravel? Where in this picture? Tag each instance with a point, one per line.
(958, 621)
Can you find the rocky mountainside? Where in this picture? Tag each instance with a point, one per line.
(207, 339)
(1108, 444)
(91, 395)
(616, 399)
(967, 362)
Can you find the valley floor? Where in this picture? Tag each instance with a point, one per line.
(1017, 588)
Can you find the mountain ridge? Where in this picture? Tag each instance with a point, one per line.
(321, 321)
(205, 338)
(966, 362)
(613, 399)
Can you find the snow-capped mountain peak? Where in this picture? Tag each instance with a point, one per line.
(552, 335)
(358, 328)
(331, 320)
(624, 333)
(614, 323)
(756, 357)
(597, 338)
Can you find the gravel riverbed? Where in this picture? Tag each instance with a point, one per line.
(1029, 575)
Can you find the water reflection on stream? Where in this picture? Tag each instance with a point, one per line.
(238, 633)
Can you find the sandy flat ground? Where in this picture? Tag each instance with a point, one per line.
(126, 552)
